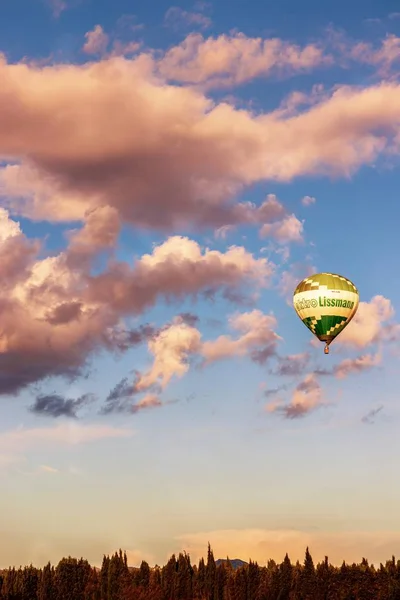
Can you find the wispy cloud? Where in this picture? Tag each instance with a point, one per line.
(306, 397)
(231, 60)
(369, 418)
(70, 434)
(15, 443)
(293, 364)
(48, 469)
(57, 7)
(55, 405)
(177, 19)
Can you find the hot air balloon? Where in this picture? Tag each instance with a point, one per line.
(326, 303)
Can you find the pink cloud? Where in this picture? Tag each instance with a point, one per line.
(232, 60)
(291, 277)
(55, 314)
(125, 49)
(384, 57)
(291, 104)
(148, 401)
(96, 41)
(290, 229)
(308, 200)
(248, 213)
(258, 339)
(165, 156)
(100, 232)
(177, 268)
(372, 324)
(357, 365)
(293, 364)
(174, 347)
(24, 439)
(171, 350)
(306, 397)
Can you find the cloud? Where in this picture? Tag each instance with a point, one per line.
(308, 200)
(356, 365)
(48, 469)
(125, 48)
(290, 229)
(15, 442)
(122, 42)
(291, 277)
(222, 232)
(100, 231)
(383, 58)
(257, 339)
(175, 269)
(308, 394)
(248, 213)
(55, 314)
(229, 60)
(351, 366)
(290, 104)
(178, 19)
(372, 324)
(96, 41)
(148, 401)
(189, 318)
(369, 417)
(57, 7)
(54, 405)
(274, 391)
(263, 544)
(293, 364)
(167, 156)
(177, 344)
(171, 350)
(121, 338)
(306, 398)
(120, 398)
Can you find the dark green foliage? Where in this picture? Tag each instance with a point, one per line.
(75, 579)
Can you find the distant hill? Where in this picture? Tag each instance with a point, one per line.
(235, 562)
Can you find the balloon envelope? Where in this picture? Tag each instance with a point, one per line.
(326, 303)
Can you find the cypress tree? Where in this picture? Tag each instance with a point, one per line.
(211, 570)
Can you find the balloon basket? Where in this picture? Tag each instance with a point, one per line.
(326, 349)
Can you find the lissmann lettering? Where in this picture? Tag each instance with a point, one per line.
(324, 301)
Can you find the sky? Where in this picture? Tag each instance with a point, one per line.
(168, 174)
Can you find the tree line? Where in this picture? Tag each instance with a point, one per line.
(76, 579)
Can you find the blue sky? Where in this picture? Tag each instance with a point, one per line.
(140, 143)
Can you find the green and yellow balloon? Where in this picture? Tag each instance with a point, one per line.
(326, 303)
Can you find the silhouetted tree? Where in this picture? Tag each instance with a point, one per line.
(75, 579)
